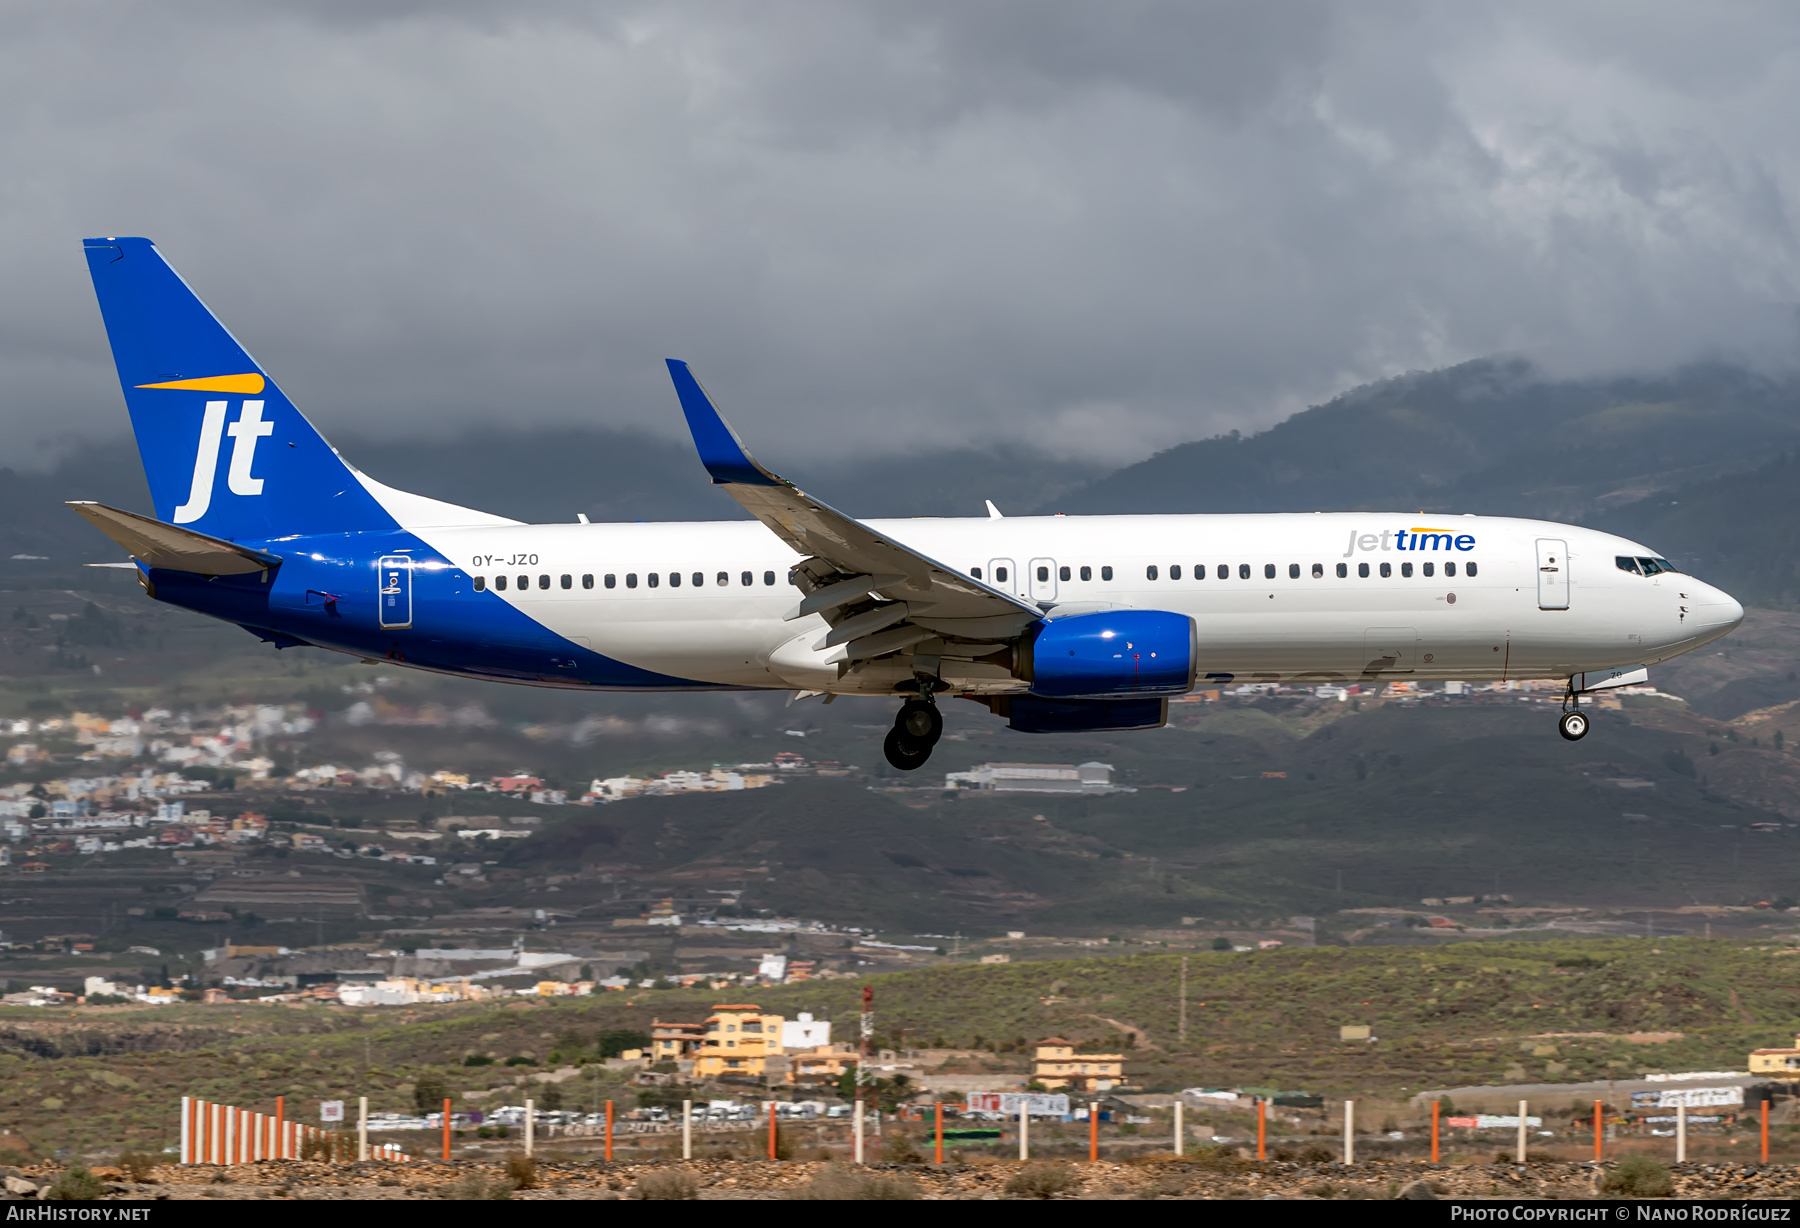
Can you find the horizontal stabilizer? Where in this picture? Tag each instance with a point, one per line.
(155, 544)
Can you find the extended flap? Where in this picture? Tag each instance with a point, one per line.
(155, 544)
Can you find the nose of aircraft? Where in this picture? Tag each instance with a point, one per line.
(1717, 611)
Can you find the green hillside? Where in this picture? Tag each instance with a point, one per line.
(1473, 1013)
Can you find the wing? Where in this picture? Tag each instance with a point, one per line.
(878, 595)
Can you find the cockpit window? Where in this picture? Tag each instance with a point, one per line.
(1644, 567)
(1626, 563)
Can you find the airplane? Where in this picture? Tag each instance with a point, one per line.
(1054, 623)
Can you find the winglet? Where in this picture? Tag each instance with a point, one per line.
(721, 451)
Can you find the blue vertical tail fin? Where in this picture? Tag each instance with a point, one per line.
(226, 453)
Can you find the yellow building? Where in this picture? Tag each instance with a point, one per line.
(822, 1062)
(1058, 1065)
(674, 1042)
(1777, 1063)
(738, 1040)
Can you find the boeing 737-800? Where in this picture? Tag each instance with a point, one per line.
(1055, 623)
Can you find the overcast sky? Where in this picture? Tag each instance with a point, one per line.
(1096, 229)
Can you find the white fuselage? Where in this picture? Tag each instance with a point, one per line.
(1516, 616)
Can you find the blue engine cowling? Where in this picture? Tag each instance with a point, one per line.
(1112, 653)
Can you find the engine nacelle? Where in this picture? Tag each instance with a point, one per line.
(1112, 653)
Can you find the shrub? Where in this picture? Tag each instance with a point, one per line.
(522, 1169)
(477, 1188)
(1639, 1177)
(137, 1165)
(521, 1060)
(898, 1149)
(429, 1094)
(1312, 1153)
(1041, 1181)
(1217, 1156)
(667, 1185)
(836, 1183)
(75, 1184)
(478, 1059)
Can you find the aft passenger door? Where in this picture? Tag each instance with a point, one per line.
(395, 590)
(1043, 579)
(1553, 574)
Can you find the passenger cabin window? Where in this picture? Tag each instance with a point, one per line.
(612, 579)
(587, 581)
(1106, 573)
(1087, 573)
(1150, 572)
(1293, 571)
(1406, 569)
(652, 578)
(746, 580)
(1362, 569)
(1062, 573)
(1468, 569)
(1268, 571)
(1044, 575)
(524, 581)
(1343, 569)
(674, 579)
(1000, 575)
(1199, 571)
(1318, 571)
(568, 581)
(543, 581)
(1430, 568)
(1387, 569)
(631, 579)
(1224, 572)
(699, 579)
(480, 584)
(723, 579)
(768, 577)
(976, 572)
(1174, 571)
(1450, 570)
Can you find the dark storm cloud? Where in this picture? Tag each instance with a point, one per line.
(1087, 228)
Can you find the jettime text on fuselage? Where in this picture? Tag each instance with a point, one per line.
(1409, 540)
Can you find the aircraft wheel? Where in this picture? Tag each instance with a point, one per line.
(920, 723)
(903, 752)
(1573, 726)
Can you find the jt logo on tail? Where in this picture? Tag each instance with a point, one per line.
(245, 432)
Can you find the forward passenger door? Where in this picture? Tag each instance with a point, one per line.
(1553, 574)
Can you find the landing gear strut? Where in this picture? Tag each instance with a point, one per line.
(917, 728)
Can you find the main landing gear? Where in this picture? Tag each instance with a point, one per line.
(917, 728)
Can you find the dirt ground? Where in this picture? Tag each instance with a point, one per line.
(1157, 1177)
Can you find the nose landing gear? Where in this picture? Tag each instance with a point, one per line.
(1573, 725)
(917, 728)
